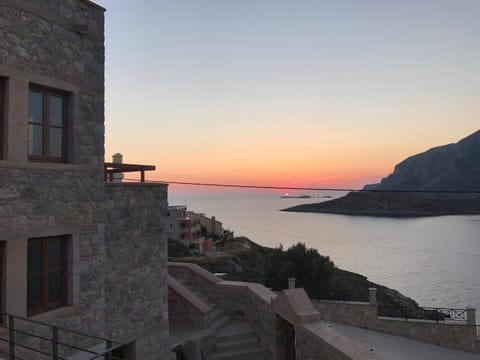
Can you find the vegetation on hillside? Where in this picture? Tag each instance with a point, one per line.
(243, 260)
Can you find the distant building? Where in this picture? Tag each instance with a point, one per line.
(185, 227)
(213, 226)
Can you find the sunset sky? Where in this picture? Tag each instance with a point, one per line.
(296, 93)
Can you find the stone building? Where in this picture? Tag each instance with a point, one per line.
(77, 252)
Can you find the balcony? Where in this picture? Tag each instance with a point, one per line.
(119, 168)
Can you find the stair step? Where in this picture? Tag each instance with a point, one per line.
(236, 337)
(220, 322)
(237, 345)
(253, 354)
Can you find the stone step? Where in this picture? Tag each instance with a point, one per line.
(252, 354)
(215, 314)
(220, 322)
(235, 337)
(250, 343)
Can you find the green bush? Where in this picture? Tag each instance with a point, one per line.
(311, 270)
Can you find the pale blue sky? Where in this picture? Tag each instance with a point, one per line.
(271, 84)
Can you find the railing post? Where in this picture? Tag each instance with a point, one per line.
(11, 336)
(471, 316)
(55, 343)
(291, 283)
(372, 296)
(108, 353)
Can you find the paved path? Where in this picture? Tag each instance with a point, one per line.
(391, 347)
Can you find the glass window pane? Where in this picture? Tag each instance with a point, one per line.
(54, 253)
(35, 107)
(55, 144)
(34, 262)
(54, 286)
(56, 111)
(34, 290)
(35, 140)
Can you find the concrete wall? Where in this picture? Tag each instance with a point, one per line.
(450, 334)
(317, 341)
(136, 267)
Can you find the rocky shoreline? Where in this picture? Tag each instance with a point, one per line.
(396, 204)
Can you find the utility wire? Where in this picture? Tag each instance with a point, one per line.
(302, 188)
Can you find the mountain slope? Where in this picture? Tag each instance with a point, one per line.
(453, 167)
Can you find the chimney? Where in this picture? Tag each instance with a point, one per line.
(117, 159)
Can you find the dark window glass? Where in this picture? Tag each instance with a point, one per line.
(2, 113)
(55, 148)
(35, 107)
(55, 253)
(46, 274)
(55, 285)
(35, 290)
(35, 257)
(35, 140)
(47, 124)
(56, 111)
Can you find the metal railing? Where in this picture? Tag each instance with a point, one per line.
(56, 345)
(422, 313)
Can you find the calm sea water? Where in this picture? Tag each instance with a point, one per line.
(434, 260)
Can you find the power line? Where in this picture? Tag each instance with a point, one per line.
(266, 187)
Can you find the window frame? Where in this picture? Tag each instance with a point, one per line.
(3, 94)
(46, 94)
(46, 304)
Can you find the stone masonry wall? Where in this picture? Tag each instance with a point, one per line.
(59, 44)
(37, 203)
(136, 267)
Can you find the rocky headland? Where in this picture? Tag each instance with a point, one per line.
(444, 180)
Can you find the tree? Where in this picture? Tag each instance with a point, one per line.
(311, 270)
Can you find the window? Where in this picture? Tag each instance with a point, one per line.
(47, 119)
(2, 114)
(46, 274)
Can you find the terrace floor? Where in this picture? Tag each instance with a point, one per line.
(391, 347)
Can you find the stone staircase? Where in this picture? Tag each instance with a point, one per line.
(234, 338)
(237, 341)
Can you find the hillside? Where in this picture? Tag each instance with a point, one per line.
(445, 168)
(241, 259)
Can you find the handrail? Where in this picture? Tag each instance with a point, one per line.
(53, 340)
(422, 313)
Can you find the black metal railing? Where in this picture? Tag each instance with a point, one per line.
(22, 340)
(422, 313)
(354, 295)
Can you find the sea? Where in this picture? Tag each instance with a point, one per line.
(434, 260)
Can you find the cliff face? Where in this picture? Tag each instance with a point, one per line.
(453, 167)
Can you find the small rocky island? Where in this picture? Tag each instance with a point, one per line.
(441, 181)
